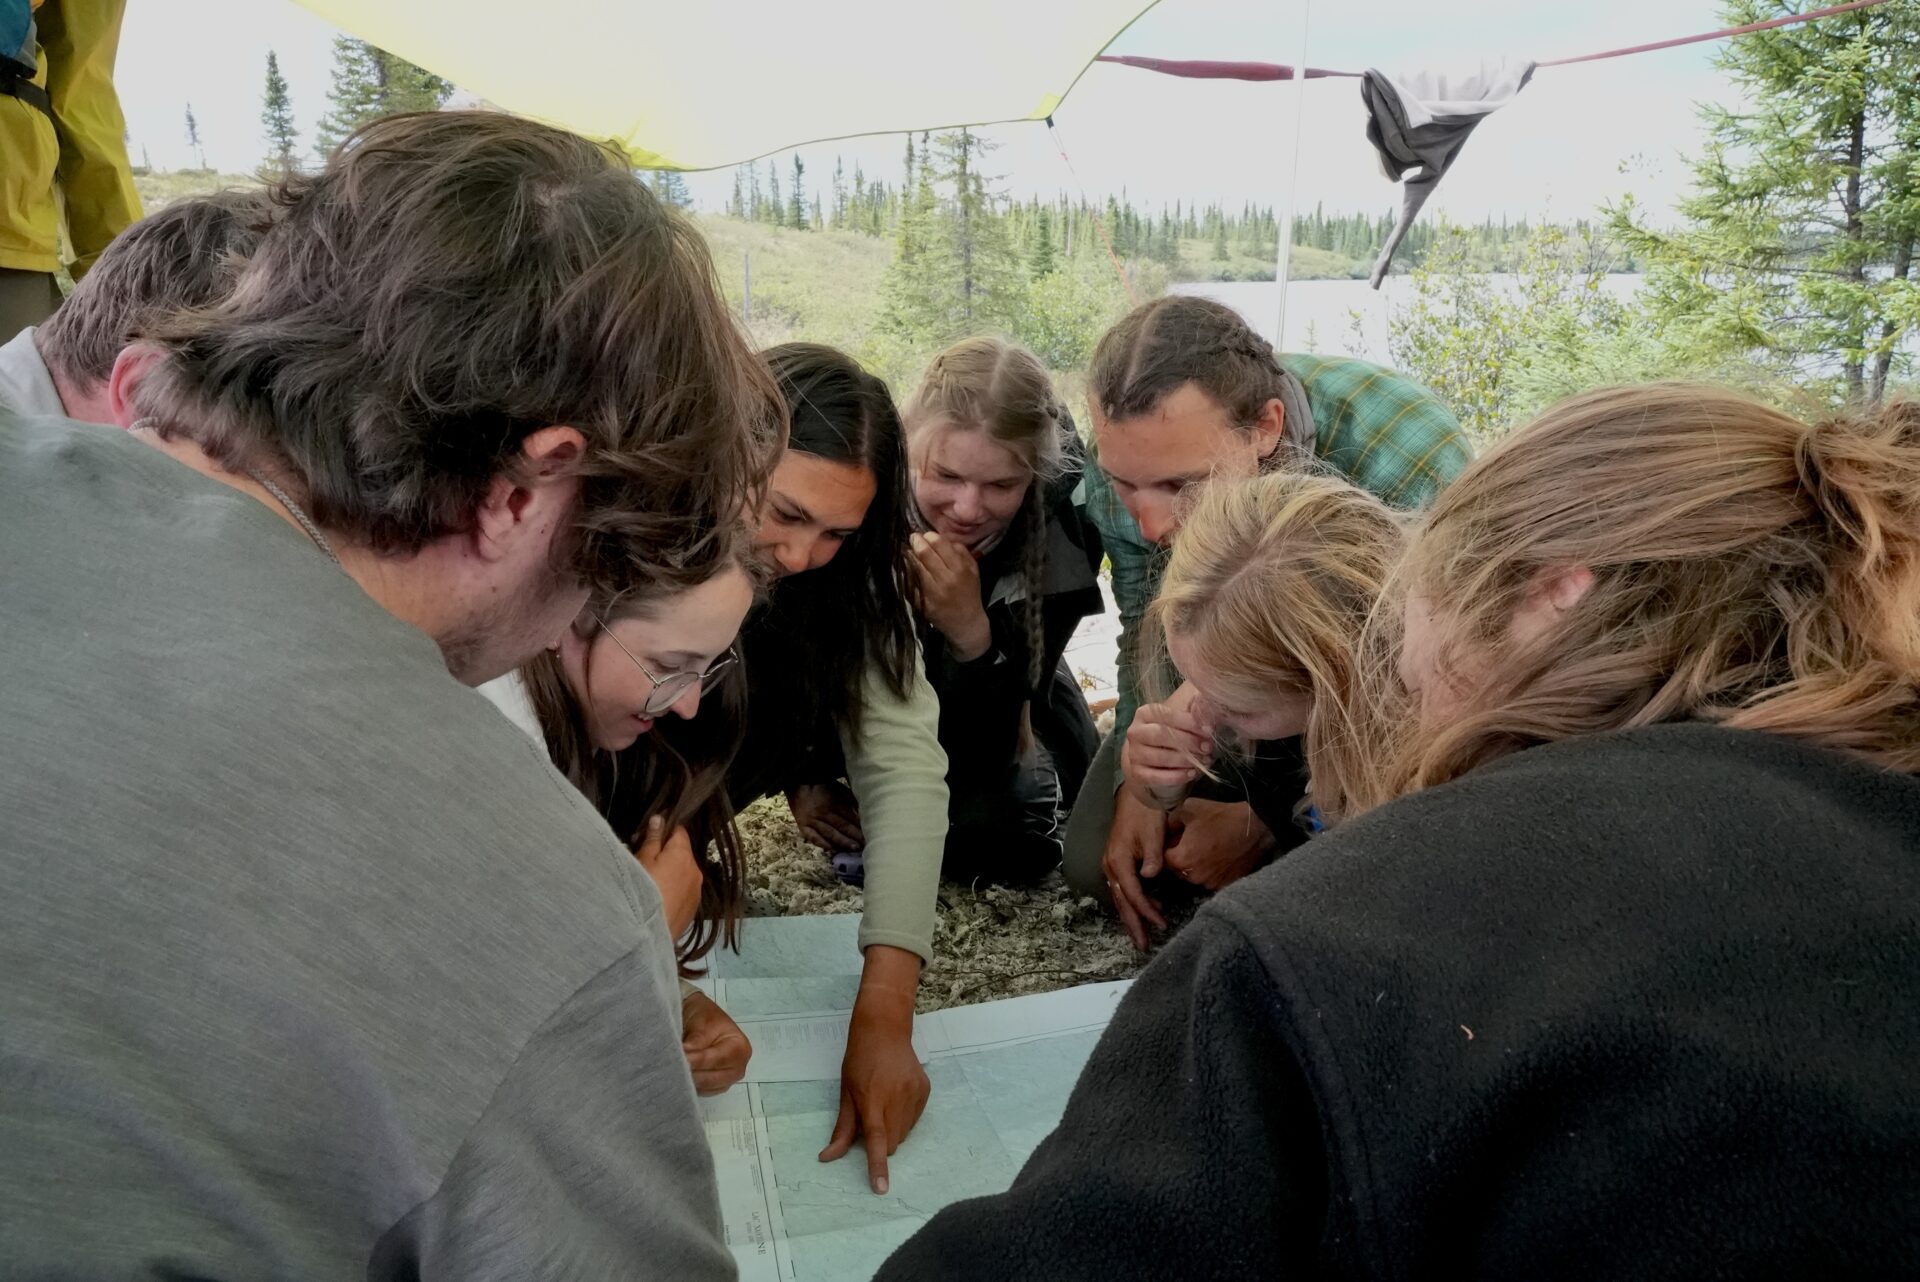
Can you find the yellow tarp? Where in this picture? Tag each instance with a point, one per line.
(699, 84)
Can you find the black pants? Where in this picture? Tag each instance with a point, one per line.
(1005, 829)
(1006, 823)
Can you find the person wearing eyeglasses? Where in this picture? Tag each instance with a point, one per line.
(615, 704)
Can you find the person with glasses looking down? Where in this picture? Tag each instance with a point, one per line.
(614, 702)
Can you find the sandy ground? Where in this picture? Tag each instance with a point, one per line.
(989, 942)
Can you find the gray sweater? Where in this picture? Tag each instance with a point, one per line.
(313, 966)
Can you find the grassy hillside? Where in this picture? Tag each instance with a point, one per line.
(160, 189)
(820, 286)
(823, 287)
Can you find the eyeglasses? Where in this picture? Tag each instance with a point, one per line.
(670, 689)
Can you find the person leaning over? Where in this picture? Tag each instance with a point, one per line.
(1182, 391)
(1611, 974)
(1005, 566)
(315, 966)
(1264, 607)
(186, 255)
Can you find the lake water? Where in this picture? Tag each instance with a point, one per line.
(1321, 313)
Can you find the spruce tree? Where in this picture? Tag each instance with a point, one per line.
(276, 119)
(671, 188)
(911, 305)
(1041, 260)
(955, 270)
(369, 82)
(797, 198)
(193, 140)
(1799, 240)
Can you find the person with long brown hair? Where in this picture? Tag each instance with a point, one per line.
(1005, 565)
(615, 704)
(1613, 977)
(842, 722)
(1262, 608)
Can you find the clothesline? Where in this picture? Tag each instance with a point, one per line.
(1203, 69)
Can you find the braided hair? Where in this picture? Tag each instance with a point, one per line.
(1161, 346)
(996, 386)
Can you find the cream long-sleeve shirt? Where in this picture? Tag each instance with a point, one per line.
(898, 772)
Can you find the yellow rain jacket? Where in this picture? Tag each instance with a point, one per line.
(81, 162)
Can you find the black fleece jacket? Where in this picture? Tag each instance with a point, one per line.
(981, 699)
(1645, 1005)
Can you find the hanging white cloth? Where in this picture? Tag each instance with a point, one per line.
(1419, 121)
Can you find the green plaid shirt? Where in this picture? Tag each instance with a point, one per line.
(1385, 433)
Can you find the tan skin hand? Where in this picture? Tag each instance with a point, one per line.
(717, 1051)
(1215, 843)
(1135, 847)
(669, 860)
(947, 584)
(1164, 750)
(883, 1088)
(827, 815)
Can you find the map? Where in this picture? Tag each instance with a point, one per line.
(1001, 1074)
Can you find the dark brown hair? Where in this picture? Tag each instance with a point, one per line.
(1161, 346)
(823, 628)
(449, 283)
(183, 256)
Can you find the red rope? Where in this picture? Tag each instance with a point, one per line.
(1099, 225)
(1787, 21)
(1220, 70)
(1204, 70)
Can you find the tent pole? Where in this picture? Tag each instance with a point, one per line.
(1284, 252)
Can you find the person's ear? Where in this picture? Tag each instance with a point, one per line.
(1553, 592)
(129, 367)
(1564, 587)
(1269, 428)
(534, 500)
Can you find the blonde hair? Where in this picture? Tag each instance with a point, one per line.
(998, 387)
(1271, 583)
(1748, 570)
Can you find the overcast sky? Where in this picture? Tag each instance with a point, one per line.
(1576, 137)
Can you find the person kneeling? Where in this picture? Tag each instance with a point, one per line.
(1263, 607)
(1615, 978)
(1005, 566)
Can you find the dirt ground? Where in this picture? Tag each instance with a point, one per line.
(989, 942)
